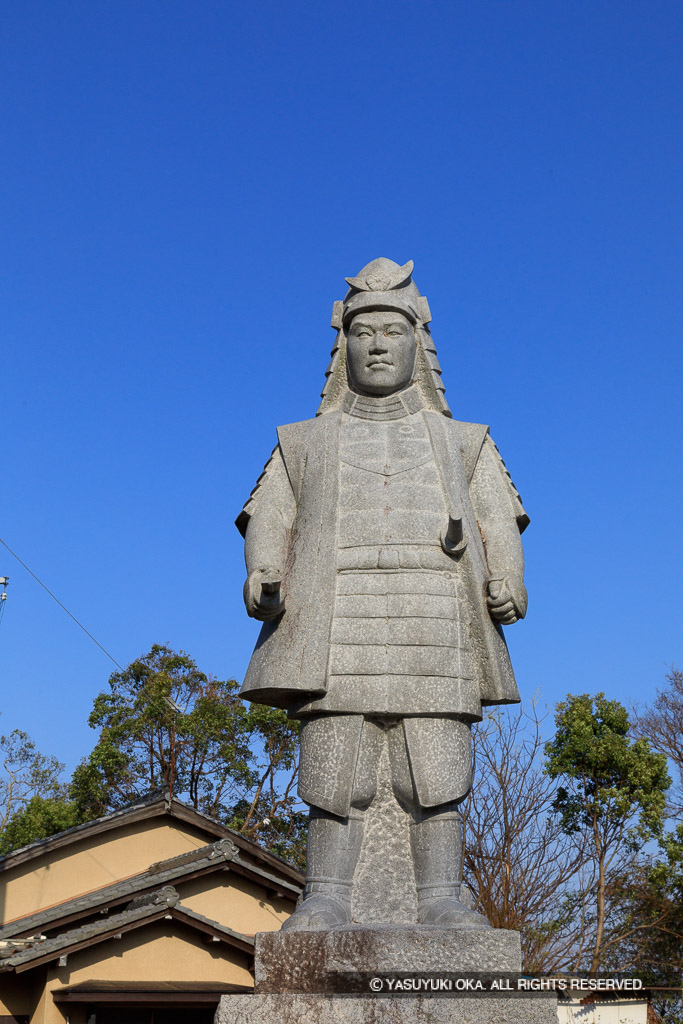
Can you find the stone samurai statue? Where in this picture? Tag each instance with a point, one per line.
(383, 552)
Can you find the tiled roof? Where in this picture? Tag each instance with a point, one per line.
(152, 805)
(161, 904)
(109, 820)
(215, 856)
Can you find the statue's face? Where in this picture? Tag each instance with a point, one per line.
(380, 352)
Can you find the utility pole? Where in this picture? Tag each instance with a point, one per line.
(4, 580)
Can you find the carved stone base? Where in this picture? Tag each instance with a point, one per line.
(301, 977)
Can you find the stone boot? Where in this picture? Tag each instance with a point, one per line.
(436, 844)
(332, 851)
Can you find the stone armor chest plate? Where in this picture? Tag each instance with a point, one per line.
(392, 508)
(398, 646)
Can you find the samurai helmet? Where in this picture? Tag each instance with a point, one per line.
(384, 285)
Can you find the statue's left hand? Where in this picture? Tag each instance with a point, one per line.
(507, 599)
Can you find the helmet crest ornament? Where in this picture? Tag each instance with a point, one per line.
(380, 276)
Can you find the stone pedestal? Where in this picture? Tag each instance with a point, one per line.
(324, 978)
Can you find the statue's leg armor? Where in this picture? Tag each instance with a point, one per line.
(334, 839)
(437, 849)
(431, 761)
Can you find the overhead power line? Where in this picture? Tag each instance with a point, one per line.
(63, 607)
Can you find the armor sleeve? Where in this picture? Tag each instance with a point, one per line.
(266, 519)
(499, 511)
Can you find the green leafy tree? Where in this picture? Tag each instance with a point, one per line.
(25, 773)
(612, 796)
(39, 818)
(657, 891)
(33, 800)
(267, 812)
(164, 724)
(650, 897)
(524, 871)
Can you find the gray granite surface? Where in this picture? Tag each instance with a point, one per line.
(313, 1009)
(296, 976)
(384, 883)
(310, 961)
(383, 556)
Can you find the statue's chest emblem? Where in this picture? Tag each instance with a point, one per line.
(386, 448)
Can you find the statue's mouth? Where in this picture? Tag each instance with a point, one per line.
(379, 364)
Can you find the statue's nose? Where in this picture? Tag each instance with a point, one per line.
(378, 343)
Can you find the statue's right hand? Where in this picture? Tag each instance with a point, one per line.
(263, 595)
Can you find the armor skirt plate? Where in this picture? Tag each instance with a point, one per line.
(398, 647)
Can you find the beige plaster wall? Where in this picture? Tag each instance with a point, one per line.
(18, 994)
(46, 1010)
(163, 951)
(234, 901)
(92, 862)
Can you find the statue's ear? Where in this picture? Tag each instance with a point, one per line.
(337, 315)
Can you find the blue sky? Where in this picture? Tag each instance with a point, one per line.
(185, 187)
